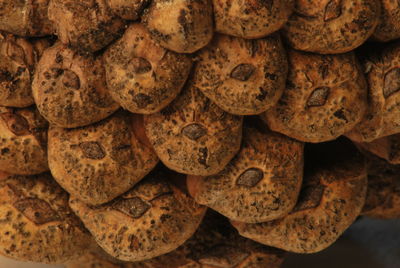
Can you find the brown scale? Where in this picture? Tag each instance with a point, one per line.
(36, 222)
(189, 27)
(99, 162)
(128, 9)
(23, 141)
(325, 97)
(387, 148)
(389, 24)
(382, 69)
(25, 18)
(251, 19)
(383, 194)
(261, 183)
(151, 219)
(331, 26)
(141, 75)
(18, 57)
(243, 77)
(332, 197)
(193, 135)
(86, 25)
(70, 90)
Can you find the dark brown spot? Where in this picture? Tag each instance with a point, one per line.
(36, 210)
(318, 97)
(71, 80)
(134, 244)
(223, 256)
(243, 72)
(340, 114)
(392, 82)
(133, 207)
(140, 66)
(310, 197)
(250, 177)
(203, 154)
(333, 10)
(16, 123)
(142, 100)
(194, 131)
(92, 150)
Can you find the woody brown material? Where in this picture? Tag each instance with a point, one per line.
(331, 26)
(128, 9)
(70, 90)
(86, 25)
(99, 162)
(143, 76)
(387, 148)
(216, 244)
(241, 76)
(389, 24)
(37, 224)
(193, 135)
(325, 97)
(25, 18)
(260, 184)
(382, 68)
(383, 195)
(23, 141)
(94, 260)
(18, 57)
(332, 197)
(251, 19)
(153, 218)
(183, 26)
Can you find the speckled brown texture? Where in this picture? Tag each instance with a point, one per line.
(99, 162)
(251, 18)
(86, 25)
(216, 244)
(193, 135)
(261, 183)
(387, 148)
(383, 194)
(36, 222)
(25, 18)
(332, 197)
(128, 9)
(382, 68)
(389, 23)
(331, 26)
(242, 76)
(93, 260)
(325, 97)
(153, 218)
(183, 26)
(143, 76)
(70, 90)
(23, 141)
(18, 57)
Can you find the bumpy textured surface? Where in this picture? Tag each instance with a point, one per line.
(332, 197)
(193, 135)
(331, 26)
(382, 68)
(128, 9)
(93, 260)
(99, 162)
(325, 97)
(242, 76)
(86, 25)
(36, 222)
(153, 218)
(141, 75)
(25, 18)
(251, 18)
(387, 148)
(389, 23)
(23, 141)
(17, 60)
(183, 26)
(216, 244)
(70, 90)
(260, 184)
(383, 195)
